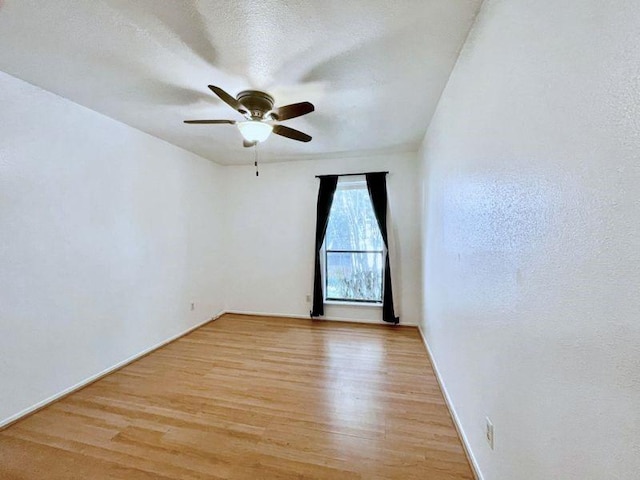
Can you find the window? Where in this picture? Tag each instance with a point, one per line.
(354, 250)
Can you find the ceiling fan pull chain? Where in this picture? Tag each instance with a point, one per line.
(255, 158)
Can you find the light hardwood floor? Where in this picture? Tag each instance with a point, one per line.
(252, 398)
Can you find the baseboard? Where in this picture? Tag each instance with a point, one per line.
(94, 378)
(452, 411)
(306, 317)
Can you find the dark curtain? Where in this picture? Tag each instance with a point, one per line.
(377, 186)
(325, 199)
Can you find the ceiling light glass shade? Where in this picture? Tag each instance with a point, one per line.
(254, 131)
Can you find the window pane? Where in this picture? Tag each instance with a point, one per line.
(352, 223)
(354, 276)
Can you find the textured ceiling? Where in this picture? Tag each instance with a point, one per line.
(373, 69)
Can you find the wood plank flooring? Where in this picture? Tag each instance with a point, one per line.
(252, 398)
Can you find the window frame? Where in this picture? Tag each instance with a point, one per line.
(354, 183)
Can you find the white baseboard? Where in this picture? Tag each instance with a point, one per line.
(456, 421)
(40, 405)
(306, 317)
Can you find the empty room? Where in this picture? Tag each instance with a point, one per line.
(320, 239)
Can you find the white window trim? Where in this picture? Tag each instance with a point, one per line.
(356, 181)
(346, 303)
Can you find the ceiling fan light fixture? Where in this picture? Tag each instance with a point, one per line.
(254, 130)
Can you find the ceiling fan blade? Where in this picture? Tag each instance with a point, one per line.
(291, 133)
(232, 122)
(247, 144)
(292, 111)
(228, 99)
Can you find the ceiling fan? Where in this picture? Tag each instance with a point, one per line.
(257, 108)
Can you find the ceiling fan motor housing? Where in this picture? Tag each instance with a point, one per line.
(257, 103)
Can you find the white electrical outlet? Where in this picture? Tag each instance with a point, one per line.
(308, 298)
(489, 432)
(193, 306)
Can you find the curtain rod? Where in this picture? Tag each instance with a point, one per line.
(348, 174)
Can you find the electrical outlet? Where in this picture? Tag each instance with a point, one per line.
(193, 306)
(489, 432)
(308, 298)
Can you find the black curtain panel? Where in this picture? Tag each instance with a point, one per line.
(377, 186)
(327, 188)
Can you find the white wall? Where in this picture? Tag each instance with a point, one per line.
(107, 236)
(531, 192)
(272, 230)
